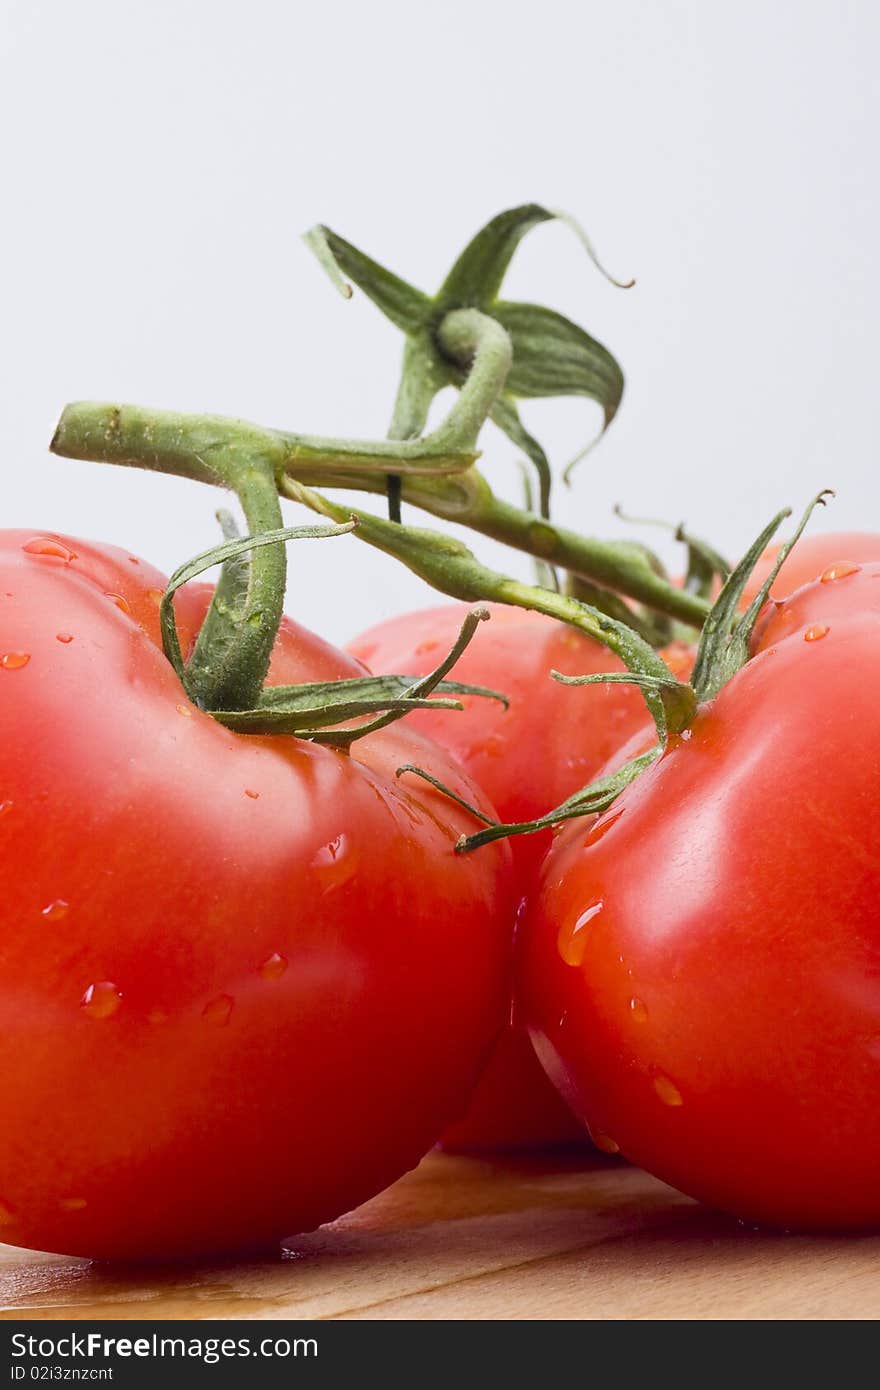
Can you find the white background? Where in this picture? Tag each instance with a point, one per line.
(161, 159)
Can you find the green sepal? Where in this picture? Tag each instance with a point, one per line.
(591, 800)
(419, 690)
(302, 723)
(301, 709)
(551, 355)
(724, 644)
(554, 357)
(218, 555)
(363, 688)
(678, 698)
(476, 277)
(402, 303)
(506, 416)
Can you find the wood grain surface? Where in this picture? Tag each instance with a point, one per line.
(553, 1237)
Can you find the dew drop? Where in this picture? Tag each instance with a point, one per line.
(572, 938)
(64, 637)
(638, 1011)
(839, 570)
(335, 862)
(73, 1204)
(604, 1143)
(273, 967)
(184, 710)
(667, 1091)
(601, 827)
(218, 1010)
(157, 1016)
(5, 808)
(7, 1213)
(816, 632)
(120, 602)
(254, 796)
(45, 545)
(13, 661)
(101, 1000)
(155, 596)
(424, 647)
(56, 910)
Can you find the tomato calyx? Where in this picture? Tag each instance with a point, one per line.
(723, 650)
(548, 355)
(311, 710)
(724, 643)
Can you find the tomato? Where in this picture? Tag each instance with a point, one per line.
(699, 968)
(245, 982)
(844, 590)
(551, 740)
(812, 555)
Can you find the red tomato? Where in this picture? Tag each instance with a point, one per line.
(549, 742)
(844, 590)
(699, 969)
(245, 982)
(810, 557)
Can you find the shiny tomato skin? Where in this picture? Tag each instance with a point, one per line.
(549, 742)
(845, 590)
(809, 558)
(245, 982)
(699, 969)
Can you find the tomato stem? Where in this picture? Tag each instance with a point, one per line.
(432, 478)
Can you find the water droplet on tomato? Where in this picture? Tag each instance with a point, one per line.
(429, 646)
(638, 1011)
(572, 938)
(5, 808)
(52, 549)
(839, 570)
(254, 796)
(155, 596)
(218, 1010)
(56, 910)
(601, 827)
(184, 710)
(273, 967)
(13, 661)
(73, 1203)
(604, 1143)
(101, 1000)
(816, 632)
(64, 637)
(7, 1213)
(667, 1090)
(121, 603)
(335, 862)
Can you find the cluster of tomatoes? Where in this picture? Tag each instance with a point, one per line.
(246, 981)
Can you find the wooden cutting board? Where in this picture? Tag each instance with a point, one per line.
(553, 1237)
